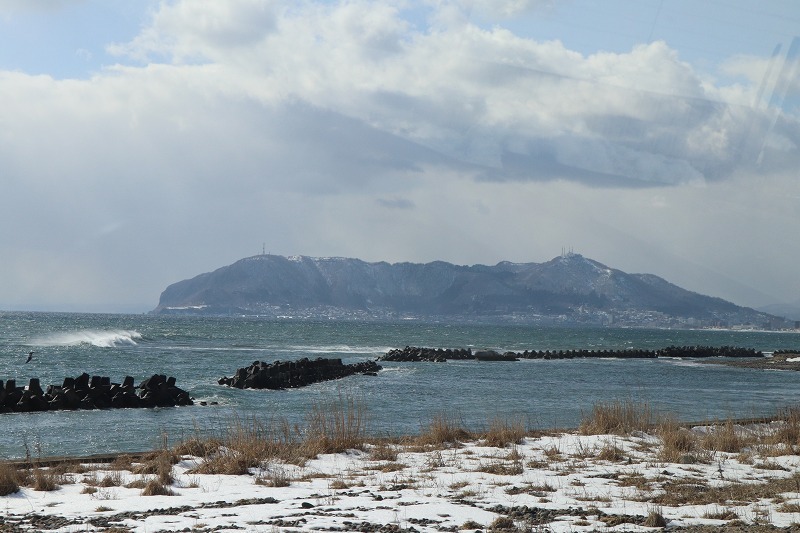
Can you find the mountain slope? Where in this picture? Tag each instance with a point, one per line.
(570, 287)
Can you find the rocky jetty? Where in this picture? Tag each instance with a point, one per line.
(91, 392)
(414, 354)
(440, 355)
(293, 374)
(708, 351)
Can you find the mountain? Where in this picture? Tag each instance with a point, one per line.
(567, 289)
(789, 311)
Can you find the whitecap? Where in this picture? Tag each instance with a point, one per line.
(99, 338)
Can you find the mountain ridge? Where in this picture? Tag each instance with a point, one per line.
(567, 289)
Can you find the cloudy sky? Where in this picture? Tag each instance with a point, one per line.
(146, 142)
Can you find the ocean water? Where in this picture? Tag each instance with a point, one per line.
(402, 398)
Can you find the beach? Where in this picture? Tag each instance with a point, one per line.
(605, 476)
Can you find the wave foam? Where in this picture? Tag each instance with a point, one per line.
(101, 339)
(339, 348)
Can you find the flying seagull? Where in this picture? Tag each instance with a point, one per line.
(30, 356)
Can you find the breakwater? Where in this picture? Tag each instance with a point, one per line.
(440, 355)
(91, 392)
(293, 374)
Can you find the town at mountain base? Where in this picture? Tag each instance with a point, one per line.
(567, 290)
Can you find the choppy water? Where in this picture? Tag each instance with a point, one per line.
(197, 351)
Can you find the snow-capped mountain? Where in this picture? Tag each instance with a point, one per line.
(569, 287)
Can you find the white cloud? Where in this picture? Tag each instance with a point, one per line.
(323, 127)
(469, 93)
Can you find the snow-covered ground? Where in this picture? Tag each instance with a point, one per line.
(562, 482)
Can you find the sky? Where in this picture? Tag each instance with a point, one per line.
(146, 142)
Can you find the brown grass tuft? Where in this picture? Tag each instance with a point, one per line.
(384, 451)
(677, 442)
(335, 427)
(723, 438)
(503, 432)
(9, 479)
(502, 523)
(443, 431)
(158, 463)
(198, 447)
(274, 476)
(617, 418)
(112, 479)
(655, 519)
(788, 431)
(245, 446)
(45, 480)
(610, 452)
(155, 488)
(331, 427)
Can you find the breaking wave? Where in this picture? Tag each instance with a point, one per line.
(101, 339)
(339, 348)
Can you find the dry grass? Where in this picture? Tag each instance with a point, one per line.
(655, 519)
(155, 488)
(335, 427)
(610, 452)
(502, 523)
(274, 476)
(723, 438)
(677, 441)
(45, 479)
(9, 479)
(160, 464)
(500, 467)
(259, 448)
(504, 432)
(722, 514)
(383, 451)
(244, 446)
(388, 467)
(136, 484)
(331, 427)
(617, 418)
(699, 492)
(635, 480)
(444, 431)
(112, 479)
(787, 432)
(198, 447)
(122, 462)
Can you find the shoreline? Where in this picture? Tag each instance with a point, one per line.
(776, 362)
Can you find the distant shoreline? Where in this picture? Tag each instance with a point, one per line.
(776, 362)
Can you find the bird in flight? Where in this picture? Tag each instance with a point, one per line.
(30, 356)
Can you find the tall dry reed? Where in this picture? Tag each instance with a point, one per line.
(9, 479)
(504, 432)
(443, 430)
(335, 426)
(617, 418)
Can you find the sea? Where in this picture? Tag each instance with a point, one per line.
(401, 399)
